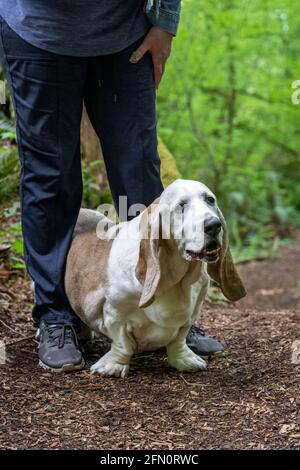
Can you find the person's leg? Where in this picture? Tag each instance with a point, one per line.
(47, 91)
(120, 101)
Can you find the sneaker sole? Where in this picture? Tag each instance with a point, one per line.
(208, 357)
(211, 356)
(64, 368)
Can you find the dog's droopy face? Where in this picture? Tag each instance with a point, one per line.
(190, 216)
(185, 221)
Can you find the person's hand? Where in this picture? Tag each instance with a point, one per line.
(158, 43)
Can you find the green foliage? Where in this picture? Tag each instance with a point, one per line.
(169, 171)
(13, 210)
(12, 233)
(93, 196)
(225, 110)
(9, 162)
(9, 174)
(7, 128)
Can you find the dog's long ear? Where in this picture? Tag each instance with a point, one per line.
(147, 269)
(224, 272)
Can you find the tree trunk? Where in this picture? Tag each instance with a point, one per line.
(91, 151)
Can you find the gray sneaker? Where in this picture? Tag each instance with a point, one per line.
(203, 345)
(59, 350)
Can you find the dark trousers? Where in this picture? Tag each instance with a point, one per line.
(48, 91)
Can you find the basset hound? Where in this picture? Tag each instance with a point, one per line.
(142, 282)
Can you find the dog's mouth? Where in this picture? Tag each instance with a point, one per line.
(209, 254)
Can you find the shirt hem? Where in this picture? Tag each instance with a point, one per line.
(94, 52)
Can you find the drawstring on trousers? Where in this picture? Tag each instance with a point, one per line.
(115, 65)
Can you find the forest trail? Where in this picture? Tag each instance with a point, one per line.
(246, 399)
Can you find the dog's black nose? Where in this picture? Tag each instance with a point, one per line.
(212, 226)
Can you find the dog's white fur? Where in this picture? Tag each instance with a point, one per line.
(143, 307)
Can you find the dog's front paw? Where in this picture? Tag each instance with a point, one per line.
(108, 366)
(187, 361)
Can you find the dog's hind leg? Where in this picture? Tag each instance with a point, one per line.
(181, 357)
(116, 361)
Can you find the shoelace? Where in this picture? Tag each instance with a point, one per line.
(59, 335)
(197, 331)
(202, 332)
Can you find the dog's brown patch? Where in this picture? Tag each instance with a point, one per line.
(86, 267)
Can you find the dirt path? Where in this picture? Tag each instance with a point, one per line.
(247, 399)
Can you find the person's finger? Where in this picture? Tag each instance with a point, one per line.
(158, 71)
(139, 53)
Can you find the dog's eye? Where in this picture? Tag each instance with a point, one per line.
(210, 200)
(181, 204)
